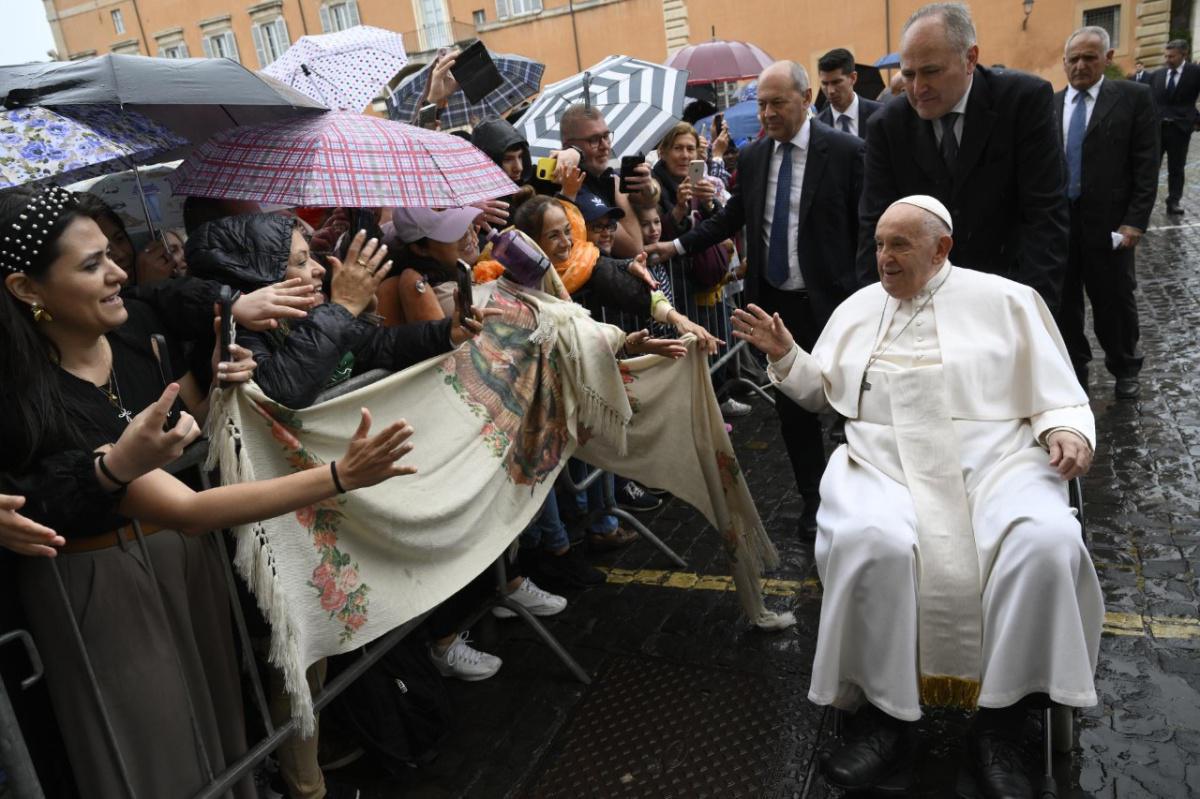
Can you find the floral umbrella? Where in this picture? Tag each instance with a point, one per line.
(65, 145)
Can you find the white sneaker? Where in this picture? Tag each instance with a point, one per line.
(731, 408)
(464, 661)
(533, 599)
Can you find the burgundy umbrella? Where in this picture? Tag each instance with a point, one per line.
(718, 60)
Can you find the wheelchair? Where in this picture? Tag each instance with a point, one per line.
(1058, 721)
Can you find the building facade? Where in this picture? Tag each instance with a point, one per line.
(569, 35)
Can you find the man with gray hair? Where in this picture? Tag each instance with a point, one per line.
(982, 142)
(953, 572)
(1109, 132)
(797, 197)
(1176, 87)
(587, 145)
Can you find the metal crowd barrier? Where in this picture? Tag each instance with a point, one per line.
(710, 309)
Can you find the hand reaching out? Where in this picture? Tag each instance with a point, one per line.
(355, 282)
(262, 309)
(640, 343)
(24, 536)
(765, 331)
(369, 461)
(637, 267)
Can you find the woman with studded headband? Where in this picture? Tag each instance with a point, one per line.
(77, 374)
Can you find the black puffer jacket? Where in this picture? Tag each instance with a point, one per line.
(496, 137)
(298, 360)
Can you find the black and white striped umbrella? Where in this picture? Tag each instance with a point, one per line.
(640, 102)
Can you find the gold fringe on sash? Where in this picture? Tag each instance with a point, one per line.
(943, 691)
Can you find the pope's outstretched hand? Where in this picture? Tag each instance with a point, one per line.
(765, 331)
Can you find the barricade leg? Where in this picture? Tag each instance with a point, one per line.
(14, 756)
(502, 598)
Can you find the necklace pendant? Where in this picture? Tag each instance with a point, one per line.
(126, 415)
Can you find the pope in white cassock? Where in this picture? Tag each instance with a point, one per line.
(953, 569)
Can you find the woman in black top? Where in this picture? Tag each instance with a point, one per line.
(75, 368)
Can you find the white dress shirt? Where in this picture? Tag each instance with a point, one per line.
(961, 109)
(851, 111)
(1069, 106)
(795, 280)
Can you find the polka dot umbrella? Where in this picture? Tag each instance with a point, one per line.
(343, 70)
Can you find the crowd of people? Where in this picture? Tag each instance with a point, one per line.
(824, 217)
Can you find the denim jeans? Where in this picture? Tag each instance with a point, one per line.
(593, 497)
(546, 531)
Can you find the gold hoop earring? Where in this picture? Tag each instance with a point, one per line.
(40, 314)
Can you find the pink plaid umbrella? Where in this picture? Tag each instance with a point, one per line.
(341, 159)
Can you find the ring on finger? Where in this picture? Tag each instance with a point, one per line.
(361, 261)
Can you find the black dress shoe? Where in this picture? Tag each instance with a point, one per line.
(1000, 766)
(870, 756)
(1174, 210)
(1128, 388)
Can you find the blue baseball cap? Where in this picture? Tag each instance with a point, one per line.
(593, 207)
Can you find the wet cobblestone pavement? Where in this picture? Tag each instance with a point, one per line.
(519, 732)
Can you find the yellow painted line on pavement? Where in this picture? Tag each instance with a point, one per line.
(1115, 622)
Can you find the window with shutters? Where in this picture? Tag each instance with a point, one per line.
(516, 8)
(339, 15)
(479, 16)
(1109, 18)
(118, 21)
(173, 51)
(270, 40)
(435, 24)
(220, 45)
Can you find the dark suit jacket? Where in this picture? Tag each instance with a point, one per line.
(1180, 107)
(828, 221)
(1145, 77)
(1120, 160)
(1007, 194)
(866, 109)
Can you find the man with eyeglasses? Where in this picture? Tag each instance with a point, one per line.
(587, 144)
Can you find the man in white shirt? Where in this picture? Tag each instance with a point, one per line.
(953, 570)
(845, 110)
(797, 197)
(1000, 173)
(1110, 140)
(1176, 87)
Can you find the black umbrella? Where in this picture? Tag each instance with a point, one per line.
(195, 97)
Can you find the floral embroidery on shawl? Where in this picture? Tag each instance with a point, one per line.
(340, 591)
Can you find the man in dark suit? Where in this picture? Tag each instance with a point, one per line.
(1140, 74)
(1176, 87)
(845, 110)
(797, 196)
(983, 143)
(1110, 138)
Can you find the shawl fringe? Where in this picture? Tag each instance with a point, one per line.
(946, 691)
(255, 562)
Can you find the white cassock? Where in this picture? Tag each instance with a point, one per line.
(903, 606)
